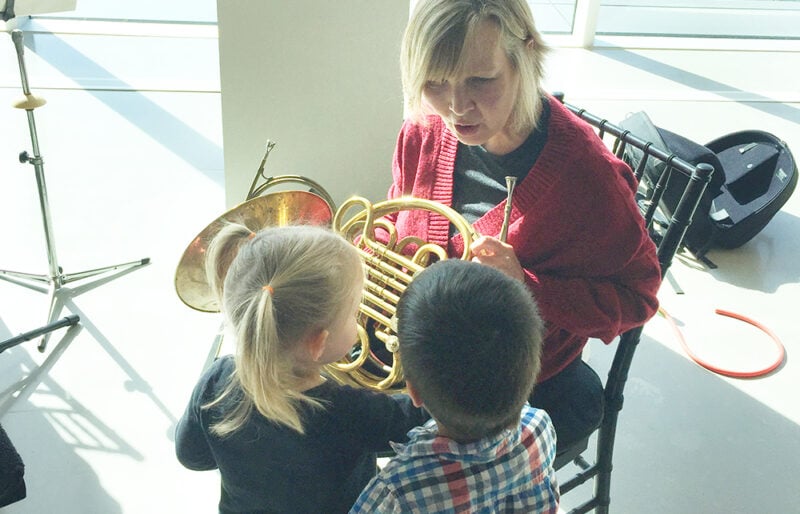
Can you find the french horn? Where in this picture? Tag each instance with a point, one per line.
(390, 263)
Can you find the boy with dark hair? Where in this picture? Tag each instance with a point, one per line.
(470, 343)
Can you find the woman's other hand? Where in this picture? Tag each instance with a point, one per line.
(493, 252)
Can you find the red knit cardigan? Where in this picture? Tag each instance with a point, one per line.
(574, 226)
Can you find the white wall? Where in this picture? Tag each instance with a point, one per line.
(322, 80)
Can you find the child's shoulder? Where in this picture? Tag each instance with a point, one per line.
(535, 416)
(220, 367)
(217, 374)
(538, 423)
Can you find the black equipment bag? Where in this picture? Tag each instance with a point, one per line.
(760, 176)
(754, 176)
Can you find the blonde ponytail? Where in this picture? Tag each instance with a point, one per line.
(278, 288)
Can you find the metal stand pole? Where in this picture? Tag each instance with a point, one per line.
(55, 278)
(66, 321)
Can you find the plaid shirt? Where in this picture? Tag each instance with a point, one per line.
(510, 472)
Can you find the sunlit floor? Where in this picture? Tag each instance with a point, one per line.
(132, 148)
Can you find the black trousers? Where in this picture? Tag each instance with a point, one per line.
(574, 400)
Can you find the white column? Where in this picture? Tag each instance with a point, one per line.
(322, 80)
(585, 24)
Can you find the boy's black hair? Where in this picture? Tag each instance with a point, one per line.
(470, 344)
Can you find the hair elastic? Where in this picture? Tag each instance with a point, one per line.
(252, 235)
(268, 288)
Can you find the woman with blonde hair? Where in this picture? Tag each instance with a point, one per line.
(472, 74)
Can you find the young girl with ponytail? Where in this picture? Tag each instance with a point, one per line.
(284, 438)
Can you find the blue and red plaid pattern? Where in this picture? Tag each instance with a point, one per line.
(510, 472)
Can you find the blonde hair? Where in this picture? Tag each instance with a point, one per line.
(435, 37)
(276, 287)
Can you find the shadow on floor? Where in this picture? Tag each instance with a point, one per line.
(755, 450)
(153, 120)
(701, 83)
(49, 439)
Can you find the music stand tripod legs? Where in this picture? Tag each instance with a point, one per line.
(55, 278)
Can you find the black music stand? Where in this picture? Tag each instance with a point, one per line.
(56, 278)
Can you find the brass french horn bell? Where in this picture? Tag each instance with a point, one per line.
(259, 210)
(271, 210)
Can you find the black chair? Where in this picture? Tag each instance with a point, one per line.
(668, 233)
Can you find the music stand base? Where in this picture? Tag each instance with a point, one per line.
(55, 283)
(63, 279)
